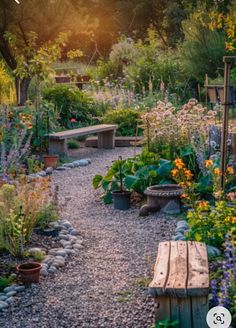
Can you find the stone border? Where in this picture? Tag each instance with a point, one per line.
(66, 166)
(183, 228)
(71, 243)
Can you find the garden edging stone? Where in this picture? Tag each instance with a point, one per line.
(55, 259)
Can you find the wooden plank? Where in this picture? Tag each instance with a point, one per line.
(185, 310)
(199, 311)
(162, 311)
(83, 131)
(174, 309)
(178, 269)
(161, 269)
(198, 276)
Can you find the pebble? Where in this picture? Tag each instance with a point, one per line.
(49, 170)
(3, 305)
(43, 272)
(12, 293)
(42, 174)
(74, 232)
(10, 300)
(61, 253)
(19, 289)
(52, 269)
(8, 289)
(3, 298)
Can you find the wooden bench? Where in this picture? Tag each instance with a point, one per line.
(106, 137)
(119, 141)
(180, 285)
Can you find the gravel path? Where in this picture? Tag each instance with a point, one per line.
(103, 285)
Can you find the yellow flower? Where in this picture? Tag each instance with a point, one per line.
(230, 170)
(217, 171)
(174, 172)
(185, 184)
(208, 163)
(179, 163)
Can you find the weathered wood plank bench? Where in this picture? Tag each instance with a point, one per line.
(180, 285)
(106, 137)
(119, 141)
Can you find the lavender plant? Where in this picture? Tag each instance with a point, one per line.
(223, 287)
(14, 141)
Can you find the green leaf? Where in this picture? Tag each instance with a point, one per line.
(130, 180)
(96, 181)
(164, 169)
(107, 198)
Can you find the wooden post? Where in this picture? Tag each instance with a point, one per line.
(228, 61)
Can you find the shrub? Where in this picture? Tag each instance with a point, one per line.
(73, 144)
(127, 120)
(72, 104)
(20, 205)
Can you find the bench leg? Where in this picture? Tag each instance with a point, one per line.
(106, 139)
(57, 147)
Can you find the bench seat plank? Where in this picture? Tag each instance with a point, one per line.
(82, 131)
(198, 279)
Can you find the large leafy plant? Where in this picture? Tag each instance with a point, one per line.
(138, 172)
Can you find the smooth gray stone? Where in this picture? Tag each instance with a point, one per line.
(66, 224)
(3, 305)
(8, 289)
(70, 251)
(171, 208)
(83, 162)
(183, 224)
(43, 272)
(53, 251)
(179, 237)
(78, 246)
(58, 263)
(74, 232)
(42, 174)
(49, 170)
(12, 293)
(61, 253)
(88, 160)
(61, 168)
(68, 247)
(70, 165)
(180, 230)
(60, 258)
(52, 269)
(213, 251)
(63, 237)
(3, 298)
(10, 300)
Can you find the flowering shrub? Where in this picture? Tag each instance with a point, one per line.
(211, 224)
(223, 285)
(175, 128)
(20, 205)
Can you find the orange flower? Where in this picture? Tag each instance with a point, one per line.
(174, 172)
(217, 171)
(179, 163)
(230, 170)
(203, 204)
(208, 163)
(185, 184)
(188, 174)
(184, 196)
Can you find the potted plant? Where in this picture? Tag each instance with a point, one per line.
(121, 196)
(50, 160)
(29, 272)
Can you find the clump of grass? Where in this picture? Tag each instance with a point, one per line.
(5, 281)
(124, 296)
(72, 144)
(142, 282)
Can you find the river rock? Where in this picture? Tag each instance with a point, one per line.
(3, 305)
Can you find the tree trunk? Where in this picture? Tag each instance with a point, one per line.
(22, 90)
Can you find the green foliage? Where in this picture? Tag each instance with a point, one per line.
(33, 165)
(37, 256)
(126, 119)
(46, 215)
(138, 173)
(167, 324)
(211, 225)
(71, 103)
(5, 281)
(73, 144)
(202, 50)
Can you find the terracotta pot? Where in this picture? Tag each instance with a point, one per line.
(29, 272)
(50, 161)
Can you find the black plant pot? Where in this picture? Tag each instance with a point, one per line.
(50, 232)
(121, 200)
